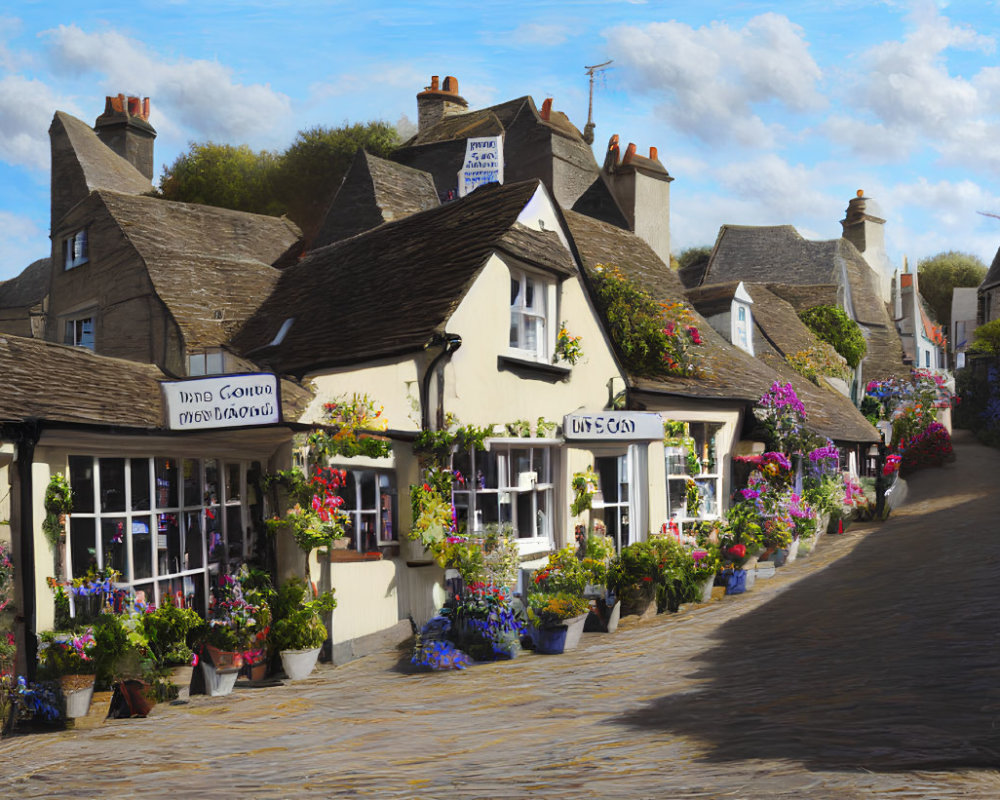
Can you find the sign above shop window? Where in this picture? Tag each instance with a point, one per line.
(225, 401)
(483, 163)
(621, 426)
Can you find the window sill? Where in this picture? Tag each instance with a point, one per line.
(529, 368)
(340, 556)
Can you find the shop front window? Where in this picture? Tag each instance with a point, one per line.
(509, 483)
(693, 456)
(158, 521)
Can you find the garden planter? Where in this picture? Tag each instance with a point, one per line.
(705, 589)
(559, 638)
(220, 668)
(181, 678)
(78, 691)
(740, 580)
(603, 618)
(765, 569)
(299, 664)
(638, 599)
(793, 551)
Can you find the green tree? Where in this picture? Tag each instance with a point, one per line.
(832, 325)
(694, 255)
(312, 168)
(299, 182)
(223, 175)
(940, 275)
(986, 338)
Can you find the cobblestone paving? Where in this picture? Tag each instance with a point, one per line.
(867, 670)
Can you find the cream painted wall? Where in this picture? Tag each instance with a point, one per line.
(394, 385)
(479, 393)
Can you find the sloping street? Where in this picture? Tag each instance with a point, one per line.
(869, 669)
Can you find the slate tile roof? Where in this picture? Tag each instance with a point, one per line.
(55, 382)
(375, 191)
(210, 266)
(102, 167)
(388, 291)
(993, 273)
(28, 288)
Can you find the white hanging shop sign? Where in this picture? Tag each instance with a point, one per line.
(226, 401)
(483, 163)
(607, 426)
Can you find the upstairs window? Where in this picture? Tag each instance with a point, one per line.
(211, 362)
(528, 328)
(742, 322)
(75, 250)
(80, 332)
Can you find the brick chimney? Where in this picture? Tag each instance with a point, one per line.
(124, 127)
(436, 102)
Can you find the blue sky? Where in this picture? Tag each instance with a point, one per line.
(764, 113)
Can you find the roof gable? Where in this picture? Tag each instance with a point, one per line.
(389, 290)
(211, 267)
(27, 289)
(375, 191)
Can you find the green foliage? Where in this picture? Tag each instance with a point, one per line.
(636, 563)
(940, 275)
(562, 573)
(584, 488)
(298, 623)
(653, 338)
(832, 325)
(58, 502)
(986, 339)
(122, 648)
(299, 182)
(819, 360)
(350, 415)
(167, 629)
(694, 255)
(547, 609)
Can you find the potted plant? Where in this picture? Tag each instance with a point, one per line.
(298, 631)
(229, 634)
(558, 618)
(632, 578)
(70, 659)
(167, 629)
(605, 611)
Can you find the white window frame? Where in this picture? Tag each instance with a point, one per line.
(210, 505)
(73, 331)
(210, 362)
(535, 484)
(383, 496)
(76, 250)
(540, 313)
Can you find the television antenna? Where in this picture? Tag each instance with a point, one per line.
(588, 130)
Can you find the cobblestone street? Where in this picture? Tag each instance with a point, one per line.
(867, 670)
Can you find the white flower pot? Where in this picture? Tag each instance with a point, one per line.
(706, 589)
(218, 682)
(793, 551)
(78, 691)
(299, 664)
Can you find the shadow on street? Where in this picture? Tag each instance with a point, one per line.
(888, 659)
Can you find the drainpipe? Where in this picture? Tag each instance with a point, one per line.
(26, 438)
(449, 342)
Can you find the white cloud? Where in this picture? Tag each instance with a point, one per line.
(875, 142)
(787, 192)
(22, 241)
(711, 78)
(201, 96)
(26, 108)
(529, 34)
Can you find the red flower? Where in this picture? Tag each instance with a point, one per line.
(647, 579)
(738, 550)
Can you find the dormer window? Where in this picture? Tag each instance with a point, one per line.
(80, 332)
(211, 362)
(741, 334)
(75, 251)
(529, 305)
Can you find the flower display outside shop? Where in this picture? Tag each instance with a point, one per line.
(356, 421)
(584, 485)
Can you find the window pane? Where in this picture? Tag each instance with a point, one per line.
(81, 479)
(166, 483)
(234, 533)
(232, 483)
(349, 491)
(387, 509)
(515, 291)
(168, 544)
(213, 363)
(529, 293)
(526, 515)
(82, 547)
(196, 364)
(113, 545)
(368, 501)
(192, 540)
(192, 482)
(140, 484)
(515, 334)
(213, 533)
(142, 548)
(211, 482)
(112, 472)
(85, 333)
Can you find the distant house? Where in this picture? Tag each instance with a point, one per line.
(989, 293)
(831, 271)
(964, 303)
(924, 343)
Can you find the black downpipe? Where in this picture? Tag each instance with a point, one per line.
(450, 342)
(26, 440)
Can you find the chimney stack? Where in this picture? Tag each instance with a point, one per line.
(435, 103)
(124, 127)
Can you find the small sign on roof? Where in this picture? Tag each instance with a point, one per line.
(483, 163)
